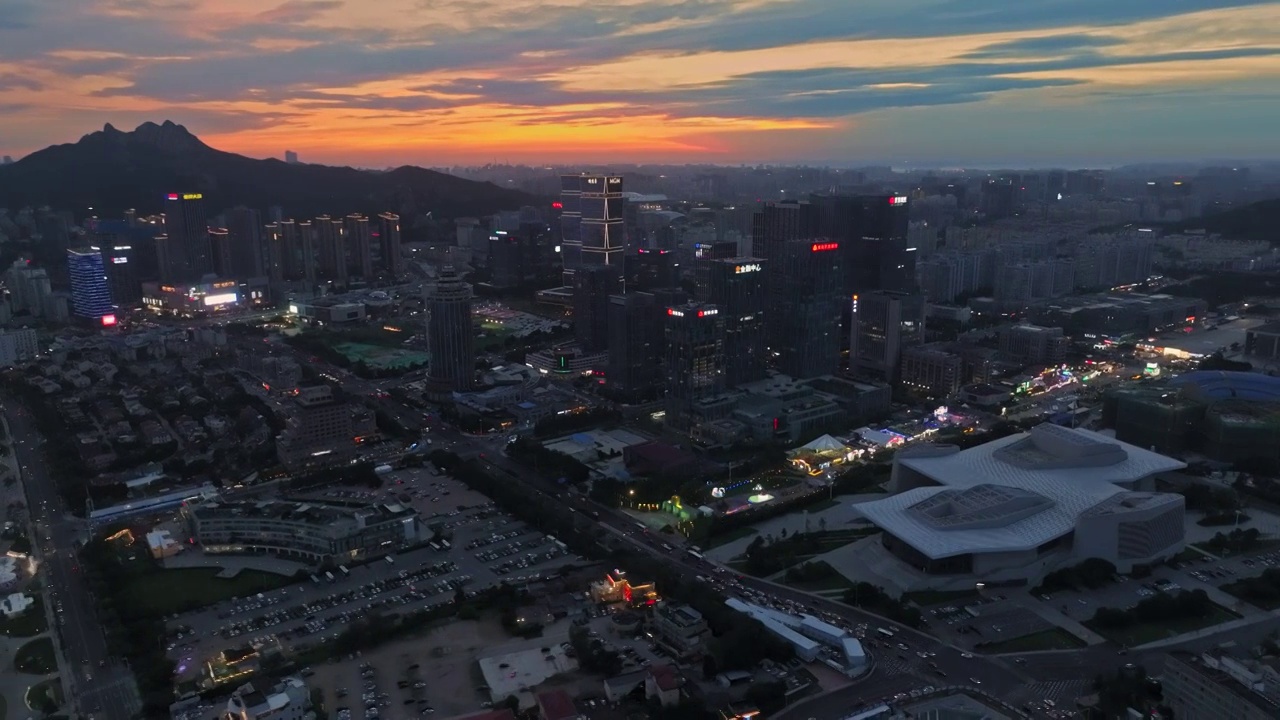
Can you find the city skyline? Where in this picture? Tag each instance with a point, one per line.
(722, 81)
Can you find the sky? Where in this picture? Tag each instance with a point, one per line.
(443, 82)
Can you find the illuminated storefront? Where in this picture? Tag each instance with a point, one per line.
(191, 299)
(616, 587)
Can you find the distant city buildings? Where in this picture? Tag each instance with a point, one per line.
(291, 157)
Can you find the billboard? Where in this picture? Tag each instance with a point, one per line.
(222, 299)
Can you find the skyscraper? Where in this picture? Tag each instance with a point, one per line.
(450, 337)
(649, 269)
(90, 294)
(883, 324)
(276, 252)
(185, 254)
(592, 286)
(704, 255)
(591, 221)
(804, 308)
(636, 344)
(872, 231)
(244, 234)
(220, 250)
(389, 244)
(738, 288)
(695, 360)
(776, 223)
(360, 244)
(329, 235)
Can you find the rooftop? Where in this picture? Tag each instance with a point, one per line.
(1011, 494)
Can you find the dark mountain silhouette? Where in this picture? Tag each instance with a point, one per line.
(111, 171)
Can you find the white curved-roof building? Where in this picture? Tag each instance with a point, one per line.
(1021, 506)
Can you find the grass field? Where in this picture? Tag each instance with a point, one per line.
(46, 695)
(36, 657)
(1055, 639)
(29, 624)
(376, 356)
(1143, 633)
(165, 592)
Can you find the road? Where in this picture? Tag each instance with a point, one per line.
(98, 684)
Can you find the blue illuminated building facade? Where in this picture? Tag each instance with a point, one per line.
(90, 292)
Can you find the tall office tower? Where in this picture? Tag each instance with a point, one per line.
(695, 360)
(805, 305)
(776, 223)
(389, 244)
(122, 276)
(884, 323)
(185, 253)
(737, 287)
(54, 229)
(872, 231)
(636, 345)
(276, 252)
(592, 286)
(508, 261)
(220, 249)
(332, 249)
(360, 243)
(244, 228)
(591, 221)
(450, 337)
(90, 292)
(649, 269)
(704, 254)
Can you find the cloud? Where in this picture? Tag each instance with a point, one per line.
(668, 75)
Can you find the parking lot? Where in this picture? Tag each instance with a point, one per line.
(487, 546)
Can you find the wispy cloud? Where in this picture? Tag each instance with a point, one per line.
(449, 80)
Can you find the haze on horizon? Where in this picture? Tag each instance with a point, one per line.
(442, 82)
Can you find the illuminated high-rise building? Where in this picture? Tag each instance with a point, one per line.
(360, 245)
(389, 244)
(805, 304)
(737, 286)
(591, 221)
(872, 232)
(695, 360)
(184, 253)
(277, 267)
(450, 336)
(90, 292)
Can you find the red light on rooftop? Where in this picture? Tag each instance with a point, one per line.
(700, 313)
(671, 311)
(108, 320)
(557, 206)
(823, 247)
(173, 196)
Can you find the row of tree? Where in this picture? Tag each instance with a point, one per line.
(1159, 608)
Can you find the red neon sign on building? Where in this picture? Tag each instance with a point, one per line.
(823, 247)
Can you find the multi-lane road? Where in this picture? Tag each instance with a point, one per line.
(98, 685)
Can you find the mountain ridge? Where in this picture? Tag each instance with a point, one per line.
(109, 171)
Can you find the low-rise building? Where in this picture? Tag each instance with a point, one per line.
(679, 628)
(314, 531)
(1202, 687)
(288, 700)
